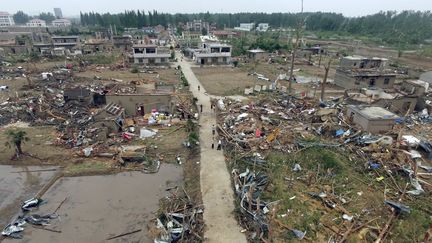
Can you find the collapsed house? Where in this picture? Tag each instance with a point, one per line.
(139, 99)
(403, 99)
(123, 42)
(372, 119)
(150, 55)
(16, 43)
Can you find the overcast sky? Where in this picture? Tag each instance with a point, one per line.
(347, 7)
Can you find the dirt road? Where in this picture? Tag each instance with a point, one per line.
(216, 188)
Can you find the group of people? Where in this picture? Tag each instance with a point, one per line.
(219, 142)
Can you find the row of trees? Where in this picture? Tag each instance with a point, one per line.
(21, 18)
(408, 26)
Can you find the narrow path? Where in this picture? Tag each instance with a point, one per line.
(217, 193)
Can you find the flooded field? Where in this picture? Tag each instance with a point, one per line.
(99, 207)
(17, 187)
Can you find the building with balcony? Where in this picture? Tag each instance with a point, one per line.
(213, 53)
(6, 19)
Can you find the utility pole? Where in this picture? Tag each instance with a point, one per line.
(294, 50)
(324, 82)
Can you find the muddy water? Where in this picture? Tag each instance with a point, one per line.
(17, 187)
(99, 207)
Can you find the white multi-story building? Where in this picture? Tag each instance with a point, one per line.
(213, 53)
(61, 23)
(6, 19)
(150, 55)
(36, 23)
(246, 27)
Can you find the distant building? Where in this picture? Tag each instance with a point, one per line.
(150, 54)
(246, 27)
(213, 53)
(263, 27)
(36, 23)
(223, 34)
(58, 13)
(70, 43)
(197, 26)
(372, 119)
(6, 19)
(257, 54)
(123, 42)
(61, 23)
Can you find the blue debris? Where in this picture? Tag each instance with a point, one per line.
(373, 166)
(340, 132)
(400, 208)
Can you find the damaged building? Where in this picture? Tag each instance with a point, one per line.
(139, 99)
(402, 99)
(122, 42)
(64, 45)
(358, 72)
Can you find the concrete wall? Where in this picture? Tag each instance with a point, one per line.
(213, 60)
(131, 102)
(157, 61)
(13, 50)
(347, 81)
(362, 63)
(401, 106)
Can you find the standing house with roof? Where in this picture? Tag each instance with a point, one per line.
(372, 119)
(61, 23)
(36, 23)
(6, 19)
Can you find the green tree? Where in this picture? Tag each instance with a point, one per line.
(204, 31)
(20, 17)
(16, 139)
(48, 17)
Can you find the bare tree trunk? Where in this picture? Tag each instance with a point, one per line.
(291, 77)
(295, 46)
(324, 82)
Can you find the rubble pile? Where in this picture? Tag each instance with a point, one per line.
(179, 220)
(397, 161)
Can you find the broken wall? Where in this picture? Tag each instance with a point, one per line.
(131, 103)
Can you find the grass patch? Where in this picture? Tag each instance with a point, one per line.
(87, 167)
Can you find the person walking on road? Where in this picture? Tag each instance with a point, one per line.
(219, 147)
(213, 130)
(201, 107)
(199, 88)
